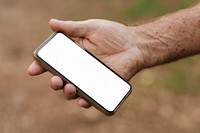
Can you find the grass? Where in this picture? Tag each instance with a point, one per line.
(182, 76)
(144, 9)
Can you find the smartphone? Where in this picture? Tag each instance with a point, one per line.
(95, 81)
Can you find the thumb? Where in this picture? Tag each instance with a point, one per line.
(71, 28)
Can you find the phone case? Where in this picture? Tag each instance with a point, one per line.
(80, 91)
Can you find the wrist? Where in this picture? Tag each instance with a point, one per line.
(152, 50)
(135, 57)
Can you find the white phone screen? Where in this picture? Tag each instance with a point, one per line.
(83, 70)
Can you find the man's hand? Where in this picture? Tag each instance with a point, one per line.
(109, 41)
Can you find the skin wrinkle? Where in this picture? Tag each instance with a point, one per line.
(152, 43)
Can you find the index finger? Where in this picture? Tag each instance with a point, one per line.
(35, 69)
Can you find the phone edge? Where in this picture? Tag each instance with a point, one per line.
(79, 91)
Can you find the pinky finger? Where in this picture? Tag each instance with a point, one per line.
(83, 103)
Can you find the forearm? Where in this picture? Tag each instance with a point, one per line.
(170, 37)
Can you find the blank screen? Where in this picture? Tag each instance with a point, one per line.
(84, 71)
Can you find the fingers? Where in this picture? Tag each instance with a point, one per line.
(56, 83)
(71, 28)
(83, 103)
(35, 69)
(70, 93)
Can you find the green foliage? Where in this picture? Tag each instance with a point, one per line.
(176, 80)
(182, 76)
(186, 3)
(143, 9)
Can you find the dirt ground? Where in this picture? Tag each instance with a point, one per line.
(28, 105)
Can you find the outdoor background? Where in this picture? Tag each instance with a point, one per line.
(166, 99)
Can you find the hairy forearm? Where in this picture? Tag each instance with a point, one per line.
(170, 37)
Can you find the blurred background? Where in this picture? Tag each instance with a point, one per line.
(165, 98)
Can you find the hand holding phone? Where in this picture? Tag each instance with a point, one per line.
(94, 81)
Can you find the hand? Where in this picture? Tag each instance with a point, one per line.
(109, 41)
